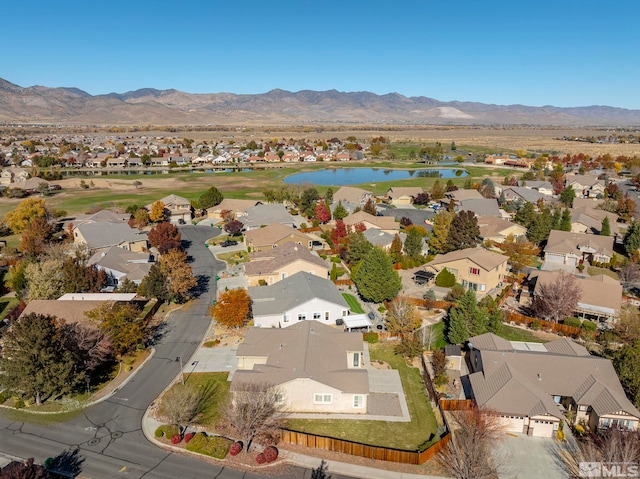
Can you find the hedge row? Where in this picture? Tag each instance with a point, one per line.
(214, 446)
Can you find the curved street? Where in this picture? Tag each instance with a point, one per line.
(108, 435)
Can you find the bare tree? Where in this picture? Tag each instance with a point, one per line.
(558, 298)
(186, 404)
(255, 411)
(629, 275)
(402, 317)
(613, 446)
(471, 452)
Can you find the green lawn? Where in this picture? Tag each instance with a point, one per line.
(511, 333)
(401, 435)
(354, 304)
(437, 340)
(234, 257)
(6, 304)
(593, 271)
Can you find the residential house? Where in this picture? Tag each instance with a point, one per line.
(531, 386)
(543, 187)
(316, 368)
(265, 214)
(274, 235)
(496, 159)
(300, 297)
(272, 265)
(11, 175)
(384, 223)
(120, 263)
(352, 195)
(457, 196)
(497, 229)
(179, 208)
(567, 248)
(475, 268)
(399, 196)
(418, 217)
(105, 234)
(100, 216)
(600, 298)
(481, 207)
(235, 207)
(524, 195)
(119, 162)
(586, 219)
(586, 186)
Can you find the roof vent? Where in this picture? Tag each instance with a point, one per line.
(539, 377)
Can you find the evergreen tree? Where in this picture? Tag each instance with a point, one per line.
(209, 198)
(154, 285)
(370, 207)
(395, 251)
(340, 212)
(356, 248)
(464, 232)
(35, 361)
(557, 219)
(565, 223)
(526, 215)
(376, 279)
(605, 228)
(539, 230)
(632, 238)
(328, 196)
(413, 243)
(437, 191)
(567, 196)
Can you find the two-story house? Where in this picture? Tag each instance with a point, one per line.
(272, 265)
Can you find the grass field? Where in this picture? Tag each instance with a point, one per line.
(511, 333)
(593, 271)
(401, 435)
(354, 304)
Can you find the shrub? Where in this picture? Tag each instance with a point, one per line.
(167, 431)
(445, 279)
(159, 432)
(270, 454)
(236, 448)
(176, 439)
(536, 325)
(571, 321)
(214, 446)
(188, 436)
(336, 259)
(3, 397)
(589, 326)
(19, 404)
(371, 337)
(260, 459)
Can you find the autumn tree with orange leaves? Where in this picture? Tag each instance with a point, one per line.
(233, 308)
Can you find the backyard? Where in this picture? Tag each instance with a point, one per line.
(411, 436)
(354, 304)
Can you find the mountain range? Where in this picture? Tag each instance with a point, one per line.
(148, 106)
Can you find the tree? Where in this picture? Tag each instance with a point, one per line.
(27, 210)
(526, 215)
(445, 279)
(557, 298)
(256, 412)
(626, 362)
(140, 218)
(178, 274)
(90, 346)
(165, 236)
(25, 470)
(556, 221)
(376, 279)
(395, 251)
(187, 404)
(565, 222)
(338, 232)
(158, 212)
(421, 199)
(328, 196)
(322, 213)
(413, 244)
(154, 285)
(437, 191)
(78, 277)
(605, 228)
(234, 227)
(488, 189)
(440, 232)
(471, 452)
(405, 221)
(463, 233)
(44, 280)
(340, 212)
(629, 275)
(370, 207)
(465, 319)
(308, 199)
(122, 325)
(540, 229)
(626, 208)
(211, 197)
(631, 239)
(34, 360)
(402, 316)
(357, 247)
(521, 252)
(567, 196)
(35, 236)
(233, 308)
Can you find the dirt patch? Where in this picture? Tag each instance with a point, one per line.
(377, 364)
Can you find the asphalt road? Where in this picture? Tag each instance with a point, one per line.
(108, 435)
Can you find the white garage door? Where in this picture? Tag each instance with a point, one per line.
(542, 428)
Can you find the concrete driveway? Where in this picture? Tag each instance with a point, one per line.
(212, 360)
(529, 458)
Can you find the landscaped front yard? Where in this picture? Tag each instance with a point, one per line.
(400, 435)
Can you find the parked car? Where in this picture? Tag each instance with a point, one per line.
(226, 243)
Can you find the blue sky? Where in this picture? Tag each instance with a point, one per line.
(562, 52)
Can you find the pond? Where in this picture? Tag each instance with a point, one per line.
(355, 176)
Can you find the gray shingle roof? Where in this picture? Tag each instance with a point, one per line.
(263, 262)
(106, 233)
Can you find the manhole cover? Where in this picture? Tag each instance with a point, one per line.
(95, 441)
(116, 435)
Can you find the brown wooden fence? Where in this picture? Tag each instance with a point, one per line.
(432, 303)
(555, 327)
(343, 282)
(363, 450)
(457, 404)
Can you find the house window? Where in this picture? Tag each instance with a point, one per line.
(322, 399)
(356, 360)
(283, 276)
(302, 316)
(344, 313)
(474, 271)
(285, 318)
(326, 315)
(317, 316)
(582, 408)
(358, 401)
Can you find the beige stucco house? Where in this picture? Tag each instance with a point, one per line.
(180, 209)
(352, 195)
(105, 234)
(235, 207)
(403, 195)
(272, 265)
(567, 248)
(497, 229)
(475, 268)
(274, 235)
(317, 369)
(387, 224)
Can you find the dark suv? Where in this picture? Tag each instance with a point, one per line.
(226, 243)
